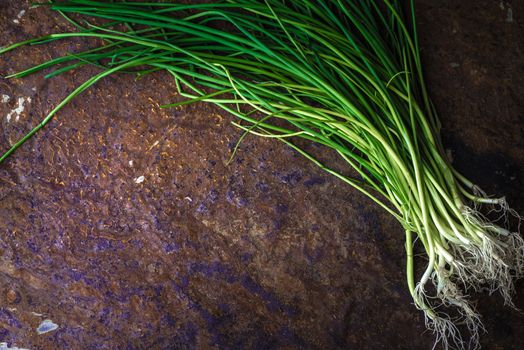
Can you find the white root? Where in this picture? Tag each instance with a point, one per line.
(491, 260)
(444, 326)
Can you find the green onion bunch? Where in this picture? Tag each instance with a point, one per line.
(343, 74)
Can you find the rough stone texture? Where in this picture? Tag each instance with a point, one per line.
(266, 253)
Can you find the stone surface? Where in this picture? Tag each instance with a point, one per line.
(122, 224)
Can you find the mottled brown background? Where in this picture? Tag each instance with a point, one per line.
(266, 253)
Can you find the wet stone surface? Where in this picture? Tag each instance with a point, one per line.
(121, 223)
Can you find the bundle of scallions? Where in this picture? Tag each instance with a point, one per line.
(343, 74)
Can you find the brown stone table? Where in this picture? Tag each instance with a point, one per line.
(122, 224)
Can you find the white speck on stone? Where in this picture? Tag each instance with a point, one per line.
(19, 16)
(140, 179)
(19, 109)
(154, 145)
(5, 98)
(188, 199)
(5, 346)
(130, 163)
(46, 326)
(34, 89)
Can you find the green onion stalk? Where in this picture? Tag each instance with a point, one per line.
(343, 74)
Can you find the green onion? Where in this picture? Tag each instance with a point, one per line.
(343, 74)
